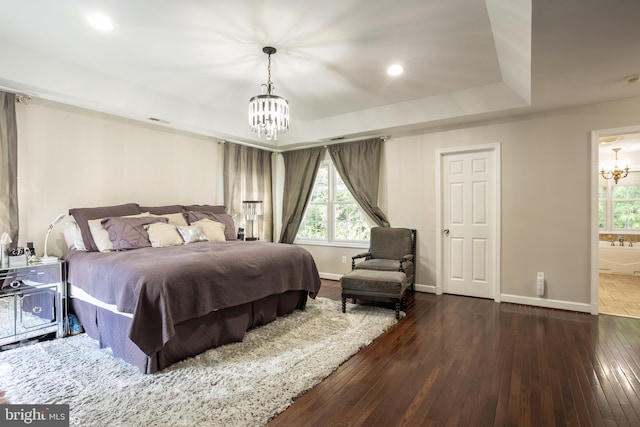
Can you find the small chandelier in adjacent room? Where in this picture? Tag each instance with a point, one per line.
(616, 173)
(268, 113)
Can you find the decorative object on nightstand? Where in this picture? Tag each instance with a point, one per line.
(17, 257)
(252, 209)
(45, 257)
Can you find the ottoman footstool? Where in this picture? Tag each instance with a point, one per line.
(374, 285)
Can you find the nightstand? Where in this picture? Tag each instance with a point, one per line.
(32, 301)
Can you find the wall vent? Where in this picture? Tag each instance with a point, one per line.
(153, 119)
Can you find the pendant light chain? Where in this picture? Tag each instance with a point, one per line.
(269, 84)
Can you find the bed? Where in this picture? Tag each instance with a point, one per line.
(156, 304)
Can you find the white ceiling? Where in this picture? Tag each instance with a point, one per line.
(196, 63)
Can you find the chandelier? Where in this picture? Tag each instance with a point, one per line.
(268, 113)
(616, 173)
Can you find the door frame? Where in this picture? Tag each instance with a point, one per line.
(441, 153)
(595, 230)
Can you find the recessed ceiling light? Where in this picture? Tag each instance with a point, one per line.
(100, 21)
(395, 70)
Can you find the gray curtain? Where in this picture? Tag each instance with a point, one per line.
(358, 164)
(8, 166)
(300, 169)
(247, 176)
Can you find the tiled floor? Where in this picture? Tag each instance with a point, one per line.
(620, 295)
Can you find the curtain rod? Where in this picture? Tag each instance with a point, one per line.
(23, 99)
(276, 151)
(224, 141)
(345, 141)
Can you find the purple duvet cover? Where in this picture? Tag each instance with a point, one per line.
(163, 287)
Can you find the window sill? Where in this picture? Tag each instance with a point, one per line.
(619, 232)
(355, 245)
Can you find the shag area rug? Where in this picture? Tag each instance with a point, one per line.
(239, 384)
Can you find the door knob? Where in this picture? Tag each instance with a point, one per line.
(446, 231)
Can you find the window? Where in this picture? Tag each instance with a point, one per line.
(626, 207)
(619, 205)
(602, 192)
(332, 216)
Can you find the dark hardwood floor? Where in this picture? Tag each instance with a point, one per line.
(472, 362)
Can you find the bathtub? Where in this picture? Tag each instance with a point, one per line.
(619, 259)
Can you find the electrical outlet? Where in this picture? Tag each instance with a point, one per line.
(540, 284)
(344, 259)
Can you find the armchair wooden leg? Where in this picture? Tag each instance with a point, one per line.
(344, 305)
(398, 310)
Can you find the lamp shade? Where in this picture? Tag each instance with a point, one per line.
(252, 208)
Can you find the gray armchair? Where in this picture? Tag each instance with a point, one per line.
(390, 249)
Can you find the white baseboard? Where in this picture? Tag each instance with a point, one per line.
(546, 303)
(330, 276)
(431, 289)
(516, 299)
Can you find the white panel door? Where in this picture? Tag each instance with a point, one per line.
(468, 206)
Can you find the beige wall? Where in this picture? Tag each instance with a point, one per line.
(545, 194)
(70, 157)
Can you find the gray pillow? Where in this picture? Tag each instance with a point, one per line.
(129, 233)
(161, 210)
(229, 229)
(192, 233)
(83, 215)
(218, 209)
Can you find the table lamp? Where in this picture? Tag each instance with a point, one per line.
(45, 257)
(252, 209)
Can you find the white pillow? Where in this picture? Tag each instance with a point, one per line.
(213, 229)
(161, 235)
(101, 235)
(73, 236)
(174, 218)
(192, 233)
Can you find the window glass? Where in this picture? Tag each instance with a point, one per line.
(333, 214)
(626, 207)
(626, 215)
(601, 206)
(320, 192)
(626, 192)
(350, 225)
(314, 224)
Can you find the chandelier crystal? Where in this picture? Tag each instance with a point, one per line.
(616, 173)
(268, 113)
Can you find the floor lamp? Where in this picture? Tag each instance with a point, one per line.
(252, 209)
